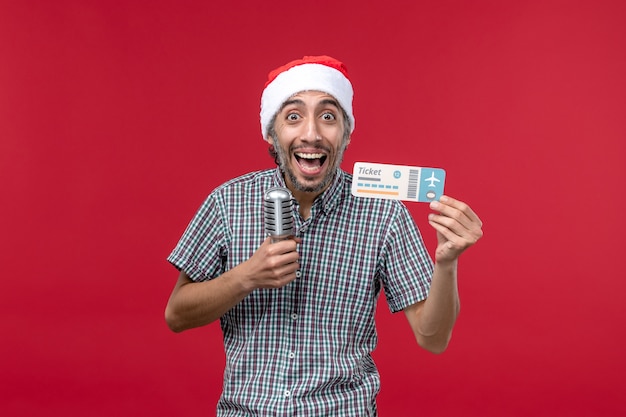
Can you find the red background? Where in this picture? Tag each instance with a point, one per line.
(118, 117)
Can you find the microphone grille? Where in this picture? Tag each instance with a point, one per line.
(277, 212)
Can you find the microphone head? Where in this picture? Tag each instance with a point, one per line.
(277, 213)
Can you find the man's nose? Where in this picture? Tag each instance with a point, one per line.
(311, 132)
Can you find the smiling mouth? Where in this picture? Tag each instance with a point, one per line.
(310, 162)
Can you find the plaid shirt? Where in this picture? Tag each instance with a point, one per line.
(304, 349)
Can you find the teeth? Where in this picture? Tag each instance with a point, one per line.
(310, 155)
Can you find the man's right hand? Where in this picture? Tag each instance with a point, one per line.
(273, 265)
(194, 304)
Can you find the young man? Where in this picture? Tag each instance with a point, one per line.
(298, 315)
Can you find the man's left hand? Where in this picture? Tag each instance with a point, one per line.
(458, 228)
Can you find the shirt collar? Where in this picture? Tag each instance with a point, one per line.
(330, 198)
(279, 180)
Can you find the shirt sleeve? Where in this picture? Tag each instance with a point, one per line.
(407, 266)
(202, 249)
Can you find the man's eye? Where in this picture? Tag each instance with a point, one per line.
(328, 116)
(293, 117)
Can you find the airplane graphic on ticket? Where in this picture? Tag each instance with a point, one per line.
(397, 182)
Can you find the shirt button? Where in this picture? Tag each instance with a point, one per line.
(292, 355)
(294, 316)
(287, 393)
(298, 273)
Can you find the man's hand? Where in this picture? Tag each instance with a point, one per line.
(194, 304)
(273, 265)
(458, 228)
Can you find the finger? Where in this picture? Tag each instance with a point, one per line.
(268, 240)
(285, 274)
(450, 224)
(282, 247)
(451, 240)
(289, 258)
(457, 210)
(463, 208)
(454, 231)
(446, 230)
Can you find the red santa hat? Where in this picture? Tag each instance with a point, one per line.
(311, 73)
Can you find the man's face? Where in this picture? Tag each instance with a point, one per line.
(309, 140)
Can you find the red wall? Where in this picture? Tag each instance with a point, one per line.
(118, 117)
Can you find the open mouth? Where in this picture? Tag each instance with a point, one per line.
(310, 162)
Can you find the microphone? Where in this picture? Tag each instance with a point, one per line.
(277, 214)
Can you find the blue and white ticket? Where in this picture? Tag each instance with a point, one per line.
(397, 182)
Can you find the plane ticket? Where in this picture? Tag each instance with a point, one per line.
(397, 182)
